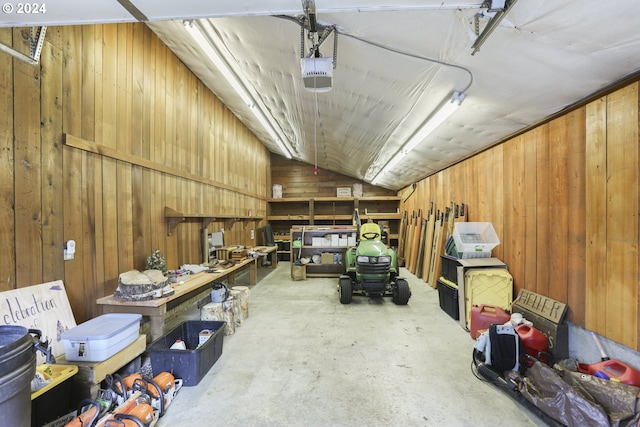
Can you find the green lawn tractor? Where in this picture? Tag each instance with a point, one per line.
(371, 269)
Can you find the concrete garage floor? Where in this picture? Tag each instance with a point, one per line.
(304, 359)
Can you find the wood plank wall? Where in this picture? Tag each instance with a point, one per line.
(564, 200)
(298, 180)
(118, 88)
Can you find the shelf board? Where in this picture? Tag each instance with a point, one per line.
(289, 200)
(323, 228)
(323, 247)
(327, 266)
(174, 218)
(383, 216)
(333, 199)
(333, 217)
(288, 217)
(379, 198)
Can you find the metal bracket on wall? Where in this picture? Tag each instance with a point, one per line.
(36, 40)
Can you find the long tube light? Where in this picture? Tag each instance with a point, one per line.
(446, 109)
(235, 83)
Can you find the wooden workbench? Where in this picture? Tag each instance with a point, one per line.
(156, 309)
(270, 251)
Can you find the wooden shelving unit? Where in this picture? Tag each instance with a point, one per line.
(335, 252)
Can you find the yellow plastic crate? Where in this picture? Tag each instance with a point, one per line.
(58, 375)
(489, 286)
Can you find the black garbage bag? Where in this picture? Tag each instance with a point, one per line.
(576, 399)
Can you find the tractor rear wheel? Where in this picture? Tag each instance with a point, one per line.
(402, 292)
(345, 289)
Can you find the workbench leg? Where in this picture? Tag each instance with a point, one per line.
(274, 259)
(253, 273)
(231, 278)
(156, 324)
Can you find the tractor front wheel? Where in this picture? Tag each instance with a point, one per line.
(402, 292)
(345, 290)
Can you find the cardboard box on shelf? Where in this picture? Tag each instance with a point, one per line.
(277, 191)
(327, 258)
(343, 192)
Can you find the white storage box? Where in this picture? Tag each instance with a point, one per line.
(475, 239)
(100, 338)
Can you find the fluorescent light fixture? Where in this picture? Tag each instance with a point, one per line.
(232, 78)
(446, 109)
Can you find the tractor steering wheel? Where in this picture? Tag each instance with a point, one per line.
(371, 235)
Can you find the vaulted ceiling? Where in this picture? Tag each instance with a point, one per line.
(395, 65)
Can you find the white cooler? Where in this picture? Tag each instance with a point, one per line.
(100, 338)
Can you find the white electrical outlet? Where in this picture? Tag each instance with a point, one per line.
(251, 234)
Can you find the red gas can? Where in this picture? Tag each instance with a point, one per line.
(613, 370)
(484, 316)
(535, 342)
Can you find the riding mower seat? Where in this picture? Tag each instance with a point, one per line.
(370, 231)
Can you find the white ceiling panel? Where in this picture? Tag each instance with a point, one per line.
(395, 64)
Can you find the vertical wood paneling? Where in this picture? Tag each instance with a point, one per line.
(124, 143)
(7, 175)
(72, 167)
(557, 189)
(52, 198)
(97, 100)
(530, 172)
(576, 226)
(108, 99)
(515, 199)
(27, 172)
(622, 215)
(544, 211)
(90, 162)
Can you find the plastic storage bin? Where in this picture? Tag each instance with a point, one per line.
(448, 294)
(475, 239)
(100, 338)
(449, 267)
(52, 401)
(488, 286)
(192, 364)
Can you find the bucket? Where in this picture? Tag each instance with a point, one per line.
(17, 369)
(219, 292)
